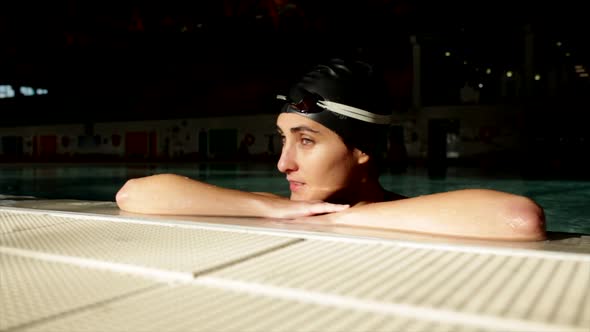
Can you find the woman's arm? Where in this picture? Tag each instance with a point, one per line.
(179, 195)
(471, 213)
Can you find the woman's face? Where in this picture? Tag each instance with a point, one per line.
(315, 160)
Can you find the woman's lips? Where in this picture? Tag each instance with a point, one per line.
(295, 186)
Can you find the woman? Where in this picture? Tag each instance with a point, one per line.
(330, 124)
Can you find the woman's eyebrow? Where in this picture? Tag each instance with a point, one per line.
(303, 128)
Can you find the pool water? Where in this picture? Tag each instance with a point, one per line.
(565, 201)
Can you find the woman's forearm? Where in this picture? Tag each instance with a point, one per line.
(484, 214)
(175, 194)
(179, 195)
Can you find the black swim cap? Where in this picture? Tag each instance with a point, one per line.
(348, 97)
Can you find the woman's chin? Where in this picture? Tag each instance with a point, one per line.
(297, 197)
(306, 196)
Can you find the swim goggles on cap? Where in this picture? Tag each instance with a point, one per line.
(312, 103)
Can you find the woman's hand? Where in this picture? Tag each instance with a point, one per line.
(288, 209)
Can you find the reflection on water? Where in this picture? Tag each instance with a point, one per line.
(101, 182)
(565, 202)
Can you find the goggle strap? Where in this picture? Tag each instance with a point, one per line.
(352, 112)
(355, 113)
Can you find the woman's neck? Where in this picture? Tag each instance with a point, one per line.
(364, 192)
(369, 192)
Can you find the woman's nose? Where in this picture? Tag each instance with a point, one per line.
(287, 162)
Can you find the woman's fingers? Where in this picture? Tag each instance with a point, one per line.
(298, 209)
(320, 208)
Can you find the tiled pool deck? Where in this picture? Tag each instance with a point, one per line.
(70, 265)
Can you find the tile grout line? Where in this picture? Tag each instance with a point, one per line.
(412, 311)
(151, 273)
(294, 294)
(513, 252)
(33, 228)
(246, 258)
(90, 306)
(146, 272)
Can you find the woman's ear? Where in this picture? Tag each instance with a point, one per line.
(361, 157)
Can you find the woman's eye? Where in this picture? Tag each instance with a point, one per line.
(306, 141)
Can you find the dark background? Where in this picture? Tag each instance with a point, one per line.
(138, 60)
(154, 60)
